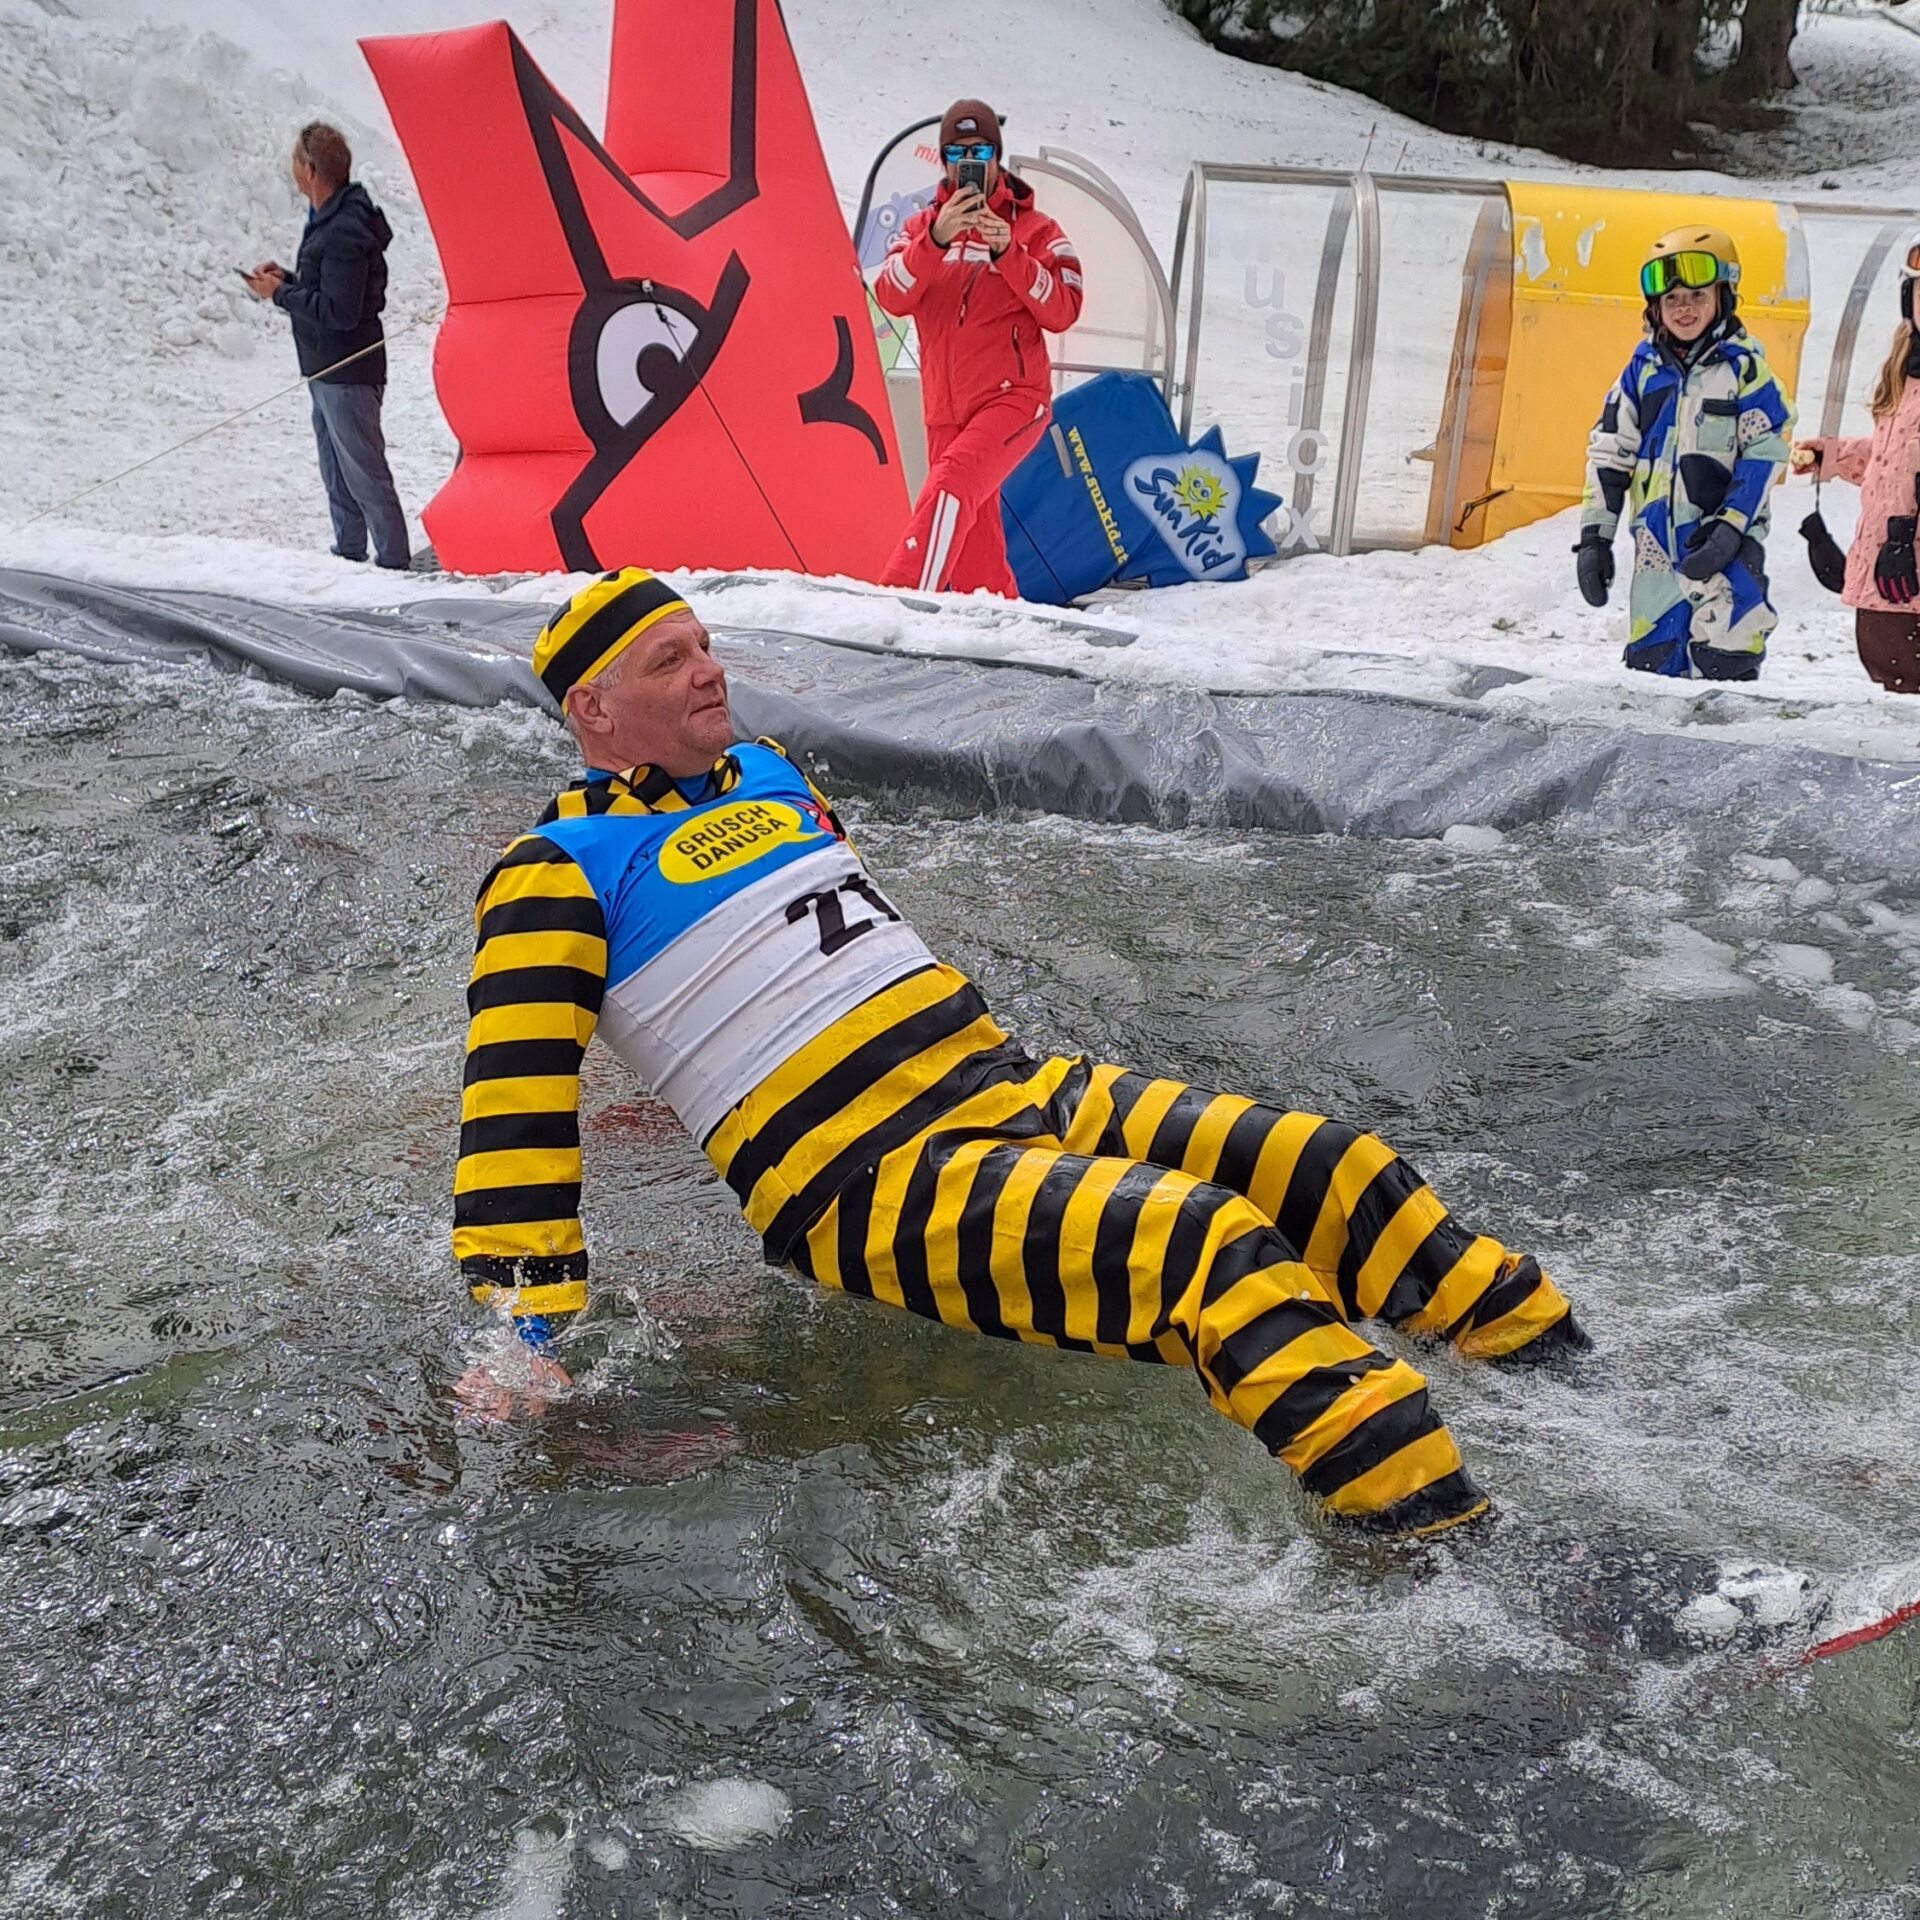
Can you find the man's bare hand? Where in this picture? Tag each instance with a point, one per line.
(266, 280)
(960, 213)
(484, 1396)
(994, 231)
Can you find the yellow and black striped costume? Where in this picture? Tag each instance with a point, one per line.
(907, 1150)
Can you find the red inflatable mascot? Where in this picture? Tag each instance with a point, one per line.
(656, 350)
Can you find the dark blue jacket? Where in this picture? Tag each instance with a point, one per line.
(338, 286)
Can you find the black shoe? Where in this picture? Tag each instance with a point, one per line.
(1451, 1502)
(359, 559)
(1553, 1346)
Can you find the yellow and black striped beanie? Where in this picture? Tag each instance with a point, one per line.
(597, 624)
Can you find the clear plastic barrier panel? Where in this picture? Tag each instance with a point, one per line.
(1431, 277)
(1266, 301)
(902, 180)
(1853, 260)
(1125, 322)
(1354, 332)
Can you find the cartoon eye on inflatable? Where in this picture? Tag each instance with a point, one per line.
(639, 353)
(640, 348)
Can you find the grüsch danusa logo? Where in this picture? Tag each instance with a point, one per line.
(731, 837)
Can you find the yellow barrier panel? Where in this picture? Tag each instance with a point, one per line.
(1568, 318)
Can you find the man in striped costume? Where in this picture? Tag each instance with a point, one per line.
(693, 899)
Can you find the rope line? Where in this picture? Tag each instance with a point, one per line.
(667, 317)
(201, 433)
(305, 380)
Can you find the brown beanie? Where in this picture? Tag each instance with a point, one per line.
(971, 120)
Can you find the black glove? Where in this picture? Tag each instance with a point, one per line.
(1593, 563)
(1824, 556)
(1894, 576)
(1712, 547)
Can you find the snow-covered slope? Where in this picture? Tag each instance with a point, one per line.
(142, 158)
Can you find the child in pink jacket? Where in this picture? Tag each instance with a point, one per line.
(1883, 584)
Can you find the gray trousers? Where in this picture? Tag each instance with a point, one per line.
(353, 466)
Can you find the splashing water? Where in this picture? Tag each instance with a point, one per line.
(798, 1605)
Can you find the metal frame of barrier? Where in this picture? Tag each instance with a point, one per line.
(1875, 257)
(1097, 185)
(1357, 210)
(879, 160)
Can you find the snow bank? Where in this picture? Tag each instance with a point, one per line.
(1503, 626)
(143, 156)
(140, 164)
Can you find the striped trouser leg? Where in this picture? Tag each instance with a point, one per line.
(1024, 1240)
(1366, 1224)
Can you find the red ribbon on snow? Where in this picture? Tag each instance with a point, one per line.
(1860, 1636)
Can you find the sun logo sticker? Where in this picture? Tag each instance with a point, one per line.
(1200, 492)
(1194, 508)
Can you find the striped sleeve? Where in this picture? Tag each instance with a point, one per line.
(913, 256)
(1043, 270)
(539, 971)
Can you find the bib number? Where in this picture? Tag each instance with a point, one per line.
(830, 911)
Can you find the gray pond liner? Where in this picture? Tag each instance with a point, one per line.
(798, 1606)
(984, 735)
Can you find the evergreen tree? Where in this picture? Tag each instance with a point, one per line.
(1596, 79)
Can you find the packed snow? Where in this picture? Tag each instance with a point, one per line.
(143, 154)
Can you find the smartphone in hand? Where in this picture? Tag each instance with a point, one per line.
(971, 173)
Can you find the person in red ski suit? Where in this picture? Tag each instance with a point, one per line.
(985, 276)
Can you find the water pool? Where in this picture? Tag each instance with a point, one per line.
(797, 1606)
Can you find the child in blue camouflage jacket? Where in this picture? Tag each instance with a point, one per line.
(1689, 442)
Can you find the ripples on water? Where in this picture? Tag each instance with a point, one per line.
(798, 1606)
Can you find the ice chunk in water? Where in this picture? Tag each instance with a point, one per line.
(1688, 965)
(1466, 839)
(1787, 961)
(535, 1887)
(1782, 872)
(1710, 1617)
(1771, 1596)
(720, 1814)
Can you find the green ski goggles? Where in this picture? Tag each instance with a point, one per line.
(1696, 269)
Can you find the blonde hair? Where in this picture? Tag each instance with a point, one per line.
(1892, 382)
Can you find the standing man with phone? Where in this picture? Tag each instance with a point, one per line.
(333, 297)
(985, 276)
